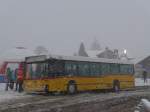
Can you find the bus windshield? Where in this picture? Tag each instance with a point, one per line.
(37, 70)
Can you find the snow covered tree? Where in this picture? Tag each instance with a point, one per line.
(40, 50)
(82, 51)
(95, 45)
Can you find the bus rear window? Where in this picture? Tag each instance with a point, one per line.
(126, 69)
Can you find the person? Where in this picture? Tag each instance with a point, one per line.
(20, 78)
(16, 81)
(145, 76)
(9, 78)
(14, 78)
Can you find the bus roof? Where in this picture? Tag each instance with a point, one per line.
(75, 58)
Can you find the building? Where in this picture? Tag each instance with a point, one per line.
(143, 65)
(106, 53)
(97, 51)
(138, 70)
(110, 54)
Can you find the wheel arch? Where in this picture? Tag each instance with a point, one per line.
(116, 82)
(72, 82)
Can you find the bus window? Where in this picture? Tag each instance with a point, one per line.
(105, 68)
(95, 69)
(31, 70)
(56, 68)
(68, 68)
(114, 68)
(131, 69)
(71, 68)
(84, 69)
(75, 69)
(126, 69)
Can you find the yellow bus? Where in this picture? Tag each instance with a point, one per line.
(73, 73)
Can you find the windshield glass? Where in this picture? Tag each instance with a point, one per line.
(37, 70)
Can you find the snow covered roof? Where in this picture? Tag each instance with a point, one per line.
(76, 58)
(94, 53)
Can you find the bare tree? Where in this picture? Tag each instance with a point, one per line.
(40, 50)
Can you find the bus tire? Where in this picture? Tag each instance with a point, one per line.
(72, 88)
(116, 86)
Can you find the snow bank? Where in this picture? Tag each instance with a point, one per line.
(2, 87)
(146, 105)
(140, 82)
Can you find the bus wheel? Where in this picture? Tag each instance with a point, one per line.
(72, 88)
(116, 86)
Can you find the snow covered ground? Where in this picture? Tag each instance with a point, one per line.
(140, 82)
(7, 95)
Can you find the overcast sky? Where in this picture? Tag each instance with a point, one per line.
(60, 25)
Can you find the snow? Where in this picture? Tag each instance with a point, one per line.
(140, 82)
(94, 53)
(146, 104)
(10, 94)
(2, 87)
(76, 58)
(89, 59)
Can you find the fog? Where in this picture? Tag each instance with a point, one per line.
(60, 25)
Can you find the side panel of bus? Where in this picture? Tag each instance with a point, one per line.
(83, 83)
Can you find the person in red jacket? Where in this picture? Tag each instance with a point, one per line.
(19, 78)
